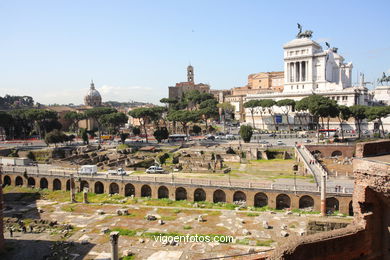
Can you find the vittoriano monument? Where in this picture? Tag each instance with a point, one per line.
(305, 34)
(384, 79)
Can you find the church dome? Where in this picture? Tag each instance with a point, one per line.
(93, 97)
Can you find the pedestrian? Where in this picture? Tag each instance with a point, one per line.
(11, 232)
(24, 229)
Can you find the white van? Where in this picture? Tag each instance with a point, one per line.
(88, 169)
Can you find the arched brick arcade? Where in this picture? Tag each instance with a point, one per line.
(219, 196)
(306, 202)
(43, 184)
(31, 182)
(6, 180)
(163, 192)
(146, 191)
(239, 196)
(199, 195)
(129, 189)
(283, 201)
(99, 187)
(18, 181)
(261, 200)
(181, 194)
(56, 184)
(84, 184)
(332, 204)
(114, 188)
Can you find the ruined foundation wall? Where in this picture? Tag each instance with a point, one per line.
(368, 237)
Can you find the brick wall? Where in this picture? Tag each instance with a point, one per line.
(328, 149)
(372, 148)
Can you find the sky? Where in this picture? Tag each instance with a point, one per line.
(134, 50)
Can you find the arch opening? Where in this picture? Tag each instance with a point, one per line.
(181, 194)
(31, 182)
(114, 188)
(18, 181)
(99, 187)
(239, 196)
(6, 180)
(336, 153)
(261, 200)
(129, 190)
(219, 196)
(283, 201)
(56, 184)
(43, 184)
(306, 202)
(163, 192)
(146, 191)
(199, 195)
(332, 205)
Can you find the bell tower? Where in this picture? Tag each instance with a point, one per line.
(190, 74)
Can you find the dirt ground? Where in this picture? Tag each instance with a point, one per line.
(337, 165)
(89, 238)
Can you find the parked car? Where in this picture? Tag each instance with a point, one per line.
(307, 141)
(155, 169)
(279, 142)
(263, 142)
(230, 137)
(209, 137)
(119, 171)
(272, 135)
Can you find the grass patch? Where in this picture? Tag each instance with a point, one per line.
(187, 227)
(125, 232)
(131, 257)
(264, 242)
(250, 214)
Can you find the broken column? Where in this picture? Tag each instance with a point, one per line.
(323, 195)
(85, 195)
(114, 245)
(72, 189)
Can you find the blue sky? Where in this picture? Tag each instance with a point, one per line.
(134, 50)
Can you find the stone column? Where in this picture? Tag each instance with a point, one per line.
(85, 196)
(300, 71)
(323, 195)
(114, 236)
(72, 187)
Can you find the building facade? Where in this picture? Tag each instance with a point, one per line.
(178, 91)
(308, 69)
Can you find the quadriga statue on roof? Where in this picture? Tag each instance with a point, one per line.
(305, 34)
(384, 79)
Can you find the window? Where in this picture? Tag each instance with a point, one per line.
(303, 86)
(291, 87)
(297, 86)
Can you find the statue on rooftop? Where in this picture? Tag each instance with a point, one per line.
(305, 34)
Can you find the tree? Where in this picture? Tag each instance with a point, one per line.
(358, 112)
(226, 108)
(96, 114)
(268, 104)
(136, 131)
(123, 137)
(287, 105)
(161, 134)
(169, 101)
(183, 117)
(196, 129)
(40, 118)
(55, 137)
(84, 136)
(246, 132)
(6, 121)
(208, 109)
(344, 115)
(114, 121)
(144, 114)
(252, 105)
(377, 113)
(75, 118)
